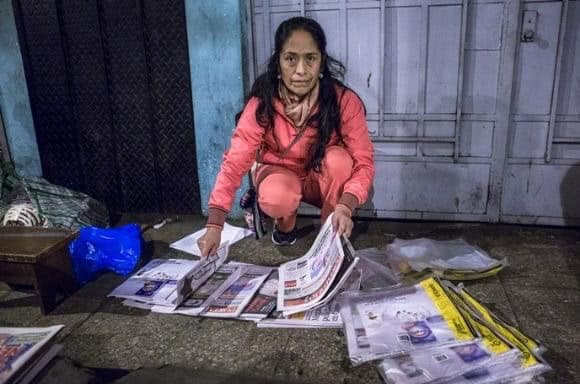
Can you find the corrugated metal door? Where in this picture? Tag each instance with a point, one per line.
(437, 79)
(542, 178)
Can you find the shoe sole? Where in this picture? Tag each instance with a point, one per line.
(284, 244)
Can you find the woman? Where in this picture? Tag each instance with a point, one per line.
(308, 135)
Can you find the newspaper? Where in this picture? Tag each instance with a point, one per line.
(167, 282)
(232, 301)
(264, 303)
(201, 298)
(324, 316)
(157, 282)
(390, 322)
(19, 347)
(305, 282)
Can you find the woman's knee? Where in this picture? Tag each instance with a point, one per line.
(337, 163)
(279, 195)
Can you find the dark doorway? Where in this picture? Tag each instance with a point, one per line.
(110, 94)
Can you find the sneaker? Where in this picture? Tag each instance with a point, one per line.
(281, 238)
(253, 215)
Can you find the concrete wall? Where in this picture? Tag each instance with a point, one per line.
(14, 100)
(214, 30)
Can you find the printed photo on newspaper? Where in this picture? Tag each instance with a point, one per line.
(313, 279)
(232, 301)
(264, 303)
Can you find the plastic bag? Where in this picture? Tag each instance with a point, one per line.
(452, 260)
(98, 249)
(375, 269)
(388, 322)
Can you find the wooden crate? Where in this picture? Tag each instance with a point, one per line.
(38, 257)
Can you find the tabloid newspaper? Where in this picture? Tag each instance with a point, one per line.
(201, 298)
(22, 350)
(264, 303)
(313, 279)
(325, 316)
(167, 282)
(232, 301)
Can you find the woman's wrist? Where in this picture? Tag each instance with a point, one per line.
(216, 217)
(213, 226)
(349, 201)
(343, 208)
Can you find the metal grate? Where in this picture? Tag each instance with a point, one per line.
(110, 95)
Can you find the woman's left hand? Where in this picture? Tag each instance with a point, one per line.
(342, 221)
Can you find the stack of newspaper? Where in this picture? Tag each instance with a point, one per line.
(298, 294)
(434, 332)
(312, 280)
(225, 293)
(167, 282)
(24, 352)
(205, 287)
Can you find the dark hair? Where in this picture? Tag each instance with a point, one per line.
(265, 88)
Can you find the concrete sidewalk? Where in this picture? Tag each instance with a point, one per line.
(105, 341)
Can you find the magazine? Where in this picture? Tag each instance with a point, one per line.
(22, 350)
(167, 282)
(313, 279)
(232, 301)
(264, 303)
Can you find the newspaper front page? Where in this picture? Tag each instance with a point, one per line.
(304, 282)
(167, 282)
(264, 303)
(156, 282)
(232, 301)
(201, 298)
(19, 345)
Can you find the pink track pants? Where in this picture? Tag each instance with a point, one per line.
(280, 190)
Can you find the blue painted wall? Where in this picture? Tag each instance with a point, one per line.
(214, 32)
(14, 100)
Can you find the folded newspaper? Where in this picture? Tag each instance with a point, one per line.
(264, 303)
(25, 351)
(314, 279)
(167, 282)
(208, 291)
(234, 299)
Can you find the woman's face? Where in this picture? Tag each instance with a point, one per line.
(300, 61)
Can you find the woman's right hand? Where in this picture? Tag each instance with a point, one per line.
(210, 241)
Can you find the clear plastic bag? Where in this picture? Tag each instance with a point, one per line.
(388, 322)
(98, 249)
(375, 269)
(443, 363)
(452, 259)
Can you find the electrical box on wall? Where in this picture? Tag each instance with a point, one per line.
(529, 27)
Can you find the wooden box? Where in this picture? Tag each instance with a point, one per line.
(38, 257)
